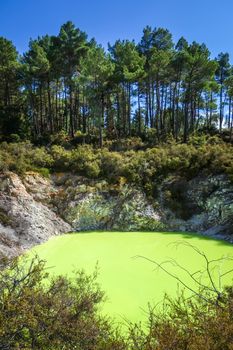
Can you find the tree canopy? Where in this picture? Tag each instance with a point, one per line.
(70, 84)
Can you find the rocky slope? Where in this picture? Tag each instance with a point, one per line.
(25, 221)
(33, 208)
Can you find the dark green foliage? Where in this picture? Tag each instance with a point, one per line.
(69, 86)
(11, 99)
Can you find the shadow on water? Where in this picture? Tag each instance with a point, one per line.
(186, 235)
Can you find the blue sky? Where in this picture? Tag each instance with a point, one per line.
(208, 21)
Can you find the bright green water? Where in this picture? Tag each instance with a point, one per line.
(129, 282)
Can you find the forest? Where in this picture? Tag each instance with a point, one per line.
(88, 136)
(70, 86)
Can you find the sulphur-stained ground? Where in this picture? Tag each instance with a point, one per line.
(33, 208)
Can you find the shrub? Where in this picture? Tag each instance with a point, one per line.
(122, 145)
(40, 157)
(61, 158)
(111, 164)
(45, 172)
(63, 314)
(144, 167)
(92, 169)
(14, 138)
(59, 314)
(187, 324)
(84, 161)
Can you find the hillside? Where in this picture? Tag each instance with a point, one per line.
(171, 188)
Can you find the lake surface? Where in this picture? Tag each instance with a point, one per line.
(130, 281)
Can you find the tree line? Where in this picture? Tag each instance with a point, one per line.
(69, 85)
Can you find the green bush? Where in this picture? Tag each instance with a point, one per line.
(61, 158)
(190, 324)
(45, 172)
(144, 167)
(59, 314)
(122, 145)
(40, 157)
(84, 161)
(111, 165)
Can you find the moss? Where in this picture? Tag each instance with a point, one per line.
(45, 172)
(142, 223)
(4, 218)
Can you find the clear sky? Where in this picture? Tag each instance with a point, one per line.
(208, 21)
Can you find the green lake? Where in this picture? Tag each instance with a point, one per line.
(129, 281)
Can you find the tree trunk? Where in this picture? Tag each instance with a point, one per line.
(129, 109)
(139, 112)
(71, 127)
(101, 119)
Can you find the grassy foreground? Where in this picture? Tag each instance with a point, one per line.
(130, 281)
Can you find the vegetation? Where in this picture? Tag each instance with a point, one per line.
(136, 113)
(68, 85)
(143, 167)
(188, 325)
(62, 314)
